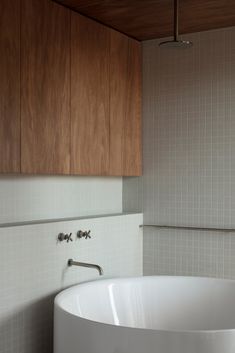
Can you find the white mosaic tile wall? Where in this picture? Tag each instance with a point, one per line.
(189, 253)
(34, 268)
(189, 155)
(26, 198)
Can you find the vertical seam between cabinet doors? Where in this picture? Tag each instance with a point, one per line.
(20, 67)
(126, 106)
(109, 171)
(141, 109)
(70, 94)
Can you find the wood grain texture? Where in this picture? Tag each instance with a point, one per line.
(89, 97)
(154, 18)
(9, 86)
(45, 92)
(125, 105)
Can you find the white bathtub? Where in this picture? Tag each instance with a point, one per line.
(146, 315)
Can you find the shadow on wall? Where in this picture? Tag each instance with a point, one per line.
(29, 329)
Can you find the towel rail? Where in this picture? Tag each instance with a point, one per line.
(202, 229)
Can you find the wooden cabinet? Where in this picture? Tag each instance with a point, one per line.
(125, 105)
(69, 93)
(105, 100)
(9, 86)
(45, 88)
(89, 96)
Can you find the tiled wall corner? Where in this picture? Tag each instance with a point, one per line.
(132, 194)
(189, 149)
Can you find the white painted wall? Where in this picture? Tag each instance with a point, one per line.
(27, 198)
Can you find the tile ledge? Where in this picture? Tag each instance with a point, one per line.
(56, 220)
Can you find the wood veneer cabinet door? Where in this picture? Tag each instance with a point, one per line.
(45, 91)
(89, 96)
(9, 86)
(125, 106)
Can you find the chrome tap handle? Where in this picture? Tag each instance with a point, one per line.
(84, 234)
(80, 234)
(87, 234)
(63, 237)
(69, 237)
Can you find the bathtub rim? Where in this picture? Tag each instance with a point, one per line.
(59, 295)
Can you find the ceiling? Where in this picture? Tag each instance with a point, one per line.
(147, 19)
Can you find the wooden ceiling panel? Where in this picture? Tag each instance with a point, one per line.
(147, 19)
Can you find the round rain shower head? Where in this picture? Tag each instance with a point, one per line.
(176, 44)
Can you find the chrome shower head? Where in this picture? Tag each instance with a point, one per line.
(177, 44)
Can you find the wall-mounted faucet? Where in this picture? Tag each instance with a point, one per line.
(83, 264)
(65, 237)
(84, 234)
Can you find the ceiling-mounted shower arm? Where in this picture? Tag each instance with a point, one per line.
(176, 20)
(176, 42)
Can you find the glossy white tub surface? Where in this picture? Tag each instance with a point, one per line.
(157, 314)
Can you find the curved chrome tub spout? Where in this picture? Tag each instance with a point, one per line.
(84, 264)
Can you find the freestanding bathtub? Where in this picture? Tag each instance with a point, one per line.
(146, 315)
